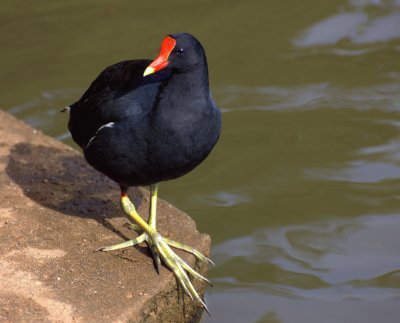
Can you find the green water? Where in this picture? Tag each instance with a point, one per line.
(302, 194)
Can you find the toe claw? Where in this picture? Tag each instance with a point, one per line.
(156, 256)
(157, 262)
(205, 308)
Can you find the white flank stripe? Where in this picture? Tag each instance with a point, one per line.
(107, 125)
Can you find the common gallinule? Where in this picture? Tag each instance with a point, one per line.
(142, 122)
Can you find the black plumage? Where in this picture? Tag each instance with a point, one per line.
(142, 122)
(143, 130)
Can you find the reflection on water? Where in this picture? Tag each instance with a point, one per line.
(225, 199)
(340, 260)
(42, 111)
(362, 22)
(301, 195)
(311, 96)
(345, 253)
(251, 305)
(360, 171)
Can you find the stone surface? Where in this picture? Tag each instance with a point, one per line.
(55, 210)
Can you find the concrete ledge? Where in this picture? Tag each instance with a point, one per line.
(54, 212)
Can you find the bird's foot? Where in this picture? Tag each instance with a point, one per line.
(160, 248)
(172, 243)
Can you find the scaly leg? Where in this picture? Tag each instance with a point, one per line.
(159, 246)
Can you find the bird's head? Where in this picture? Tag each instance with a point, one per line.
(182, 52)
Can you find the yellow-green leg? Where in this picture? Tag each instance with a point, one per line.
(160, 247)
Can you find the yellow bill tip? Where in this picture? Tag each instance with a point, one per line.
(148, 70)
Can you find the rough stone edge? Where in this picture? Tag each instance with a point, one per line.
(150, 311)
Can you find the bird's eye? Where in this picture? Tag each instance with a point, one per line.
(180, 51)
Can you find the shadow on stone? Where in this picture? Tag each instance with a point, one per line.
(56, 180)
(55, 210)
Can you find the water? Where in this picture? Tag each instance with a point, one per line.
(301, 195)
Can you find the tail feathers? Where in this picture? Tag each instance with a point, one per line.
(66, 110)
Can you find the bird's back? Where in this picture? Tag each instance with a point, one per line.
(140, 130)
(119, 92)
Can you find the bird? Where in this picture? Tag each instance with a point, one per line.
(142, 122)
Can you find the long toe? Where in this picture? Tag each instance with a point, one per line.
(177, 265)
(126, 244)
(189, 249)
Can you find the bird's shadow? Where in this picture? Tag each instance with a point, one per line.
(61, 180)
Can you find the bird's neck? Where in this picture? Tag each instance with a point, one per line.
(191, 85)
(183, 100)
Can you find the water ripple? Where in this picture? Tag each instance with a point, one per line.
(46, 98)
(355, 24)
(350, 257)
(385, 97)
(224, 199)
(359, 171)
